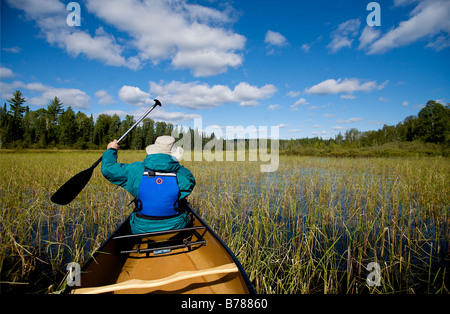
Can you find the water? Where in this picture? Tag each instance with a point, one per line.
(349, 208)
(340, 206)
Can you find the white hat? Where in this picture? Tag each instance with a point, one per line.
(165, 145)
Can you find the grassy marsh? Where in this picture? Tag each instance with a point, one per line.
(313, 226)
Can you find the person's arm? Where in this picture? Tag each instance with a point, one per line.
(113, 171)
(186, 181)
(127, 176)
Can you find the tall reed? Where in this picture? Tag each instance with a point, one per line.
(312, 226)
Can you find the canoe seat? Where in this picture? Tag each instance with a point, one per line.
(161, 242)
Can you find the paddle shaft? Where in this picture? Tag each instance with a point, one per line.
(157, 103)
(69, 190)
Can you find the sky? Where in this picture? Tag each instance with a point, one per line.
(310, 68)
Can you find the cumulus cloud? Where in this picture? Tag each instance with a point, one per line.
(197, 95)
(347, 85)
(189, 35)
(429, 20)
(206, 62)
(172, 117)
(50, 17)
(157, 115)
(6, 73)
(69, 96)
(275, 39)
(134, 96)
(104, 97)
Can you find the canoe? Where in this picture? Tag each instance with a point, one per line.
(190, 260)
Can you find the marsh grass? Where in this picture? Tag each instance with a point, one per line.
(313, 226)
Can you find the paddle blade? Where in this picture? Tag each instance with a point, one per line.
(72, 188)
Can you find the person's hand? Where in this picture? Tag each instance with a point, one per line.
(113, 144)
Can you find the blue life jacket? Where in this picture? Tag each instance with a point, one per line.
(158, 194)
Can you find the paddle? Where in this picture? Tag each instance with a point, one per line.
(73, 187)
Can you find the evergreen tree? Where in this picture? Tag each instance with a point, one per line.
(85, 130)
(16, 105)
(67, 127)
(15, 127)
(54, 109)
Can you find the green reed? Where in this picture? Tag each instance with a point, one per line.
(315, 224)
(312, 226)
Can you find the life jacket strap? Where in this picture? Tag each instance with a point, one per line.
(157, 217)
(151, 173)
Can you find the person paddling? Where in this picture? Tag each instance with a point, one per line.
(159, 184)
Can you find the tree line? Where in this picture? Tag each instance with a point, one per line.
(430, 126)
(55, 126)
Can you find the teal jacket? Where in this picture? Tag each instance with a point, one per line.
(129, 176)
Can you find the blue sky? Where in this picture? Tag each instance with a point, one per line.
(312, 68)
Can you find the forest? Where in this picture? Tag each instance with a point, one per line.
(428, 133)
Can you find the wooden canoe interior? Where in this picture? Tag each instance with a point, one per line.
(110, 267)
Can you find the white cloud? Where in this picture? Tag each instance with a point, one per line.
(342, 36)
(173, 117)
(175, 30)
(405, 103)
(293, 94)
(105, 98)
(300, 102)
(190, 36)
(338, 128)
(69, 96)
(6, 73)
(206, 62)
(275, 39)
(50, 16)
(351, 120)
(157, 115)
(368, 35)
(306, 47)
(430, 18)
(323, 132)
(273, 107)
(196, 95)
(14, 49)
(134, 96)
(348, 86)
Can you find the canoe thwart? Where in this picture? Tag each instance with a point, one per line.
(148, 243)
(142, 284)
(157, 233)
(167, 248)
